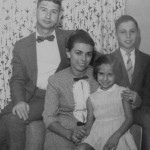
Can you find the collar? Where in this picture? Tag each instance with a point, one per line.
(123, 52)
(107, 90)
(53, 33)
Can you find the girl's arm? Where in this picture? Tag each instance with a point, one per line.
(90, 116)
(128, 118)
(114, 139)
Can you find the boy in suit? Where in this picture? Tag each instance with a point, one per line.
(35, 58)
(136, 74)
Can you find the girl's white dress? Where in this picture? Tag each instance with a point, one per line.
(109, 116)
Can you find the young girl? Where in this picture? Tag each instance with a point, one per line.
(110, 109)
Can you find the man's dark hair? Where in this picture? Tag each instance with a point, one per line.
(54, 1)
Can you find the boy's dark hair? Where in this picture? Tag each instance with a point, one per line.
(111, 60)
(79, 36)
(54, 1)
(125, 18)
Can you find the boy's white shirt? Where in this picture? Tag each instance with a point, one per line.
(125, 57)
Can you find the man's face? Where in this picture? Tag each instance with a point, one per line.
(47, 15)
(127, 34)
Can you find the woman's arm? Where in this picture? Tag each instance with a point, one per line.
(57, 128)
(90, 116)
(51, 111)
(114, 139)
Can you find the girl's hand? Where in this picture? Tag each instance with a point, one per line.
(112, 143)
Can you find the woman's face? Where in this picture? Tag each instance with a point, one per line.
(80, 57)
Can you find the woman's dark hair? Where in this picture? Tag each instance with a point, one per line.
(54, 1)
(111, 60)
(79, 36)
(125, 18)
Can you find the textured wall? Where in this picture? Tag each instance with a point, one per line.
(140, 9)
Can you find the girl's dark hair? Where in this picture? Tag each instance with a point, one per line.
(111, 60)
(79, 36)
(54, 1)
(125, 18)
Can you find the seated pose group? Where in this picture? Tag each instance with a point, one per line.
(83, 107)
(65, 113)
(109, 114)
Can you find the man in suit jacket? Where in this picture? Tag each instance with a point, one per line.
(135, 74)
(35, 58)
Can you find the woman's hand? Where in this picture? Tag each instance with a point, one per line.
(78, 134)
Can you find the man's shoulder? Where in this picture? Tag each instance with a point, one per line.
(142, 54)
(26, 39)
(115, 52)
(63, 32)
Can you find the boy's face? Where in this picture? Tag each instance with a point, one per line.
(47, 15)
(127, 34)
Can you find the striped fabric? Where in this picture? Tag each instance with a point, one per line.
(129, 67)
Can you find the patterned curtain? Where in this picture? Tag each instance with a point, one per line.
(17, 20)
(95, 16)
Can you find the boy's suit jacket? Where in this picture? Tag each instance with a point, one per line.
(141, 76)
(24, 74)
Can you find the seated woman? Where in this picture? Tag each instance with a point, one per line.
(67, 91)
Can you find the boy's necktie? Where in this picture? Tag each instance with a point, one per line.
(129, 67)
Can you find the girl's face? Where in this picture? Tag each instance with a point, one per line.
(80, 57)
(106, 76)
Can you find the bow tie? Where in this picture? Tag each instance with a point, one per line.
(41, 38)
(81, 78)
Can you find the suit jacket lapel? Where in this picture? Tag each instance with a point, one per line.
(32, 54)
(61, 46)
(32, 57)
(125, 74)
(124, 71)
(138, 63)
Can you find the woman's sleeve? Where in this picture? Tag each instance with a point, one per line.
(51, 107)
